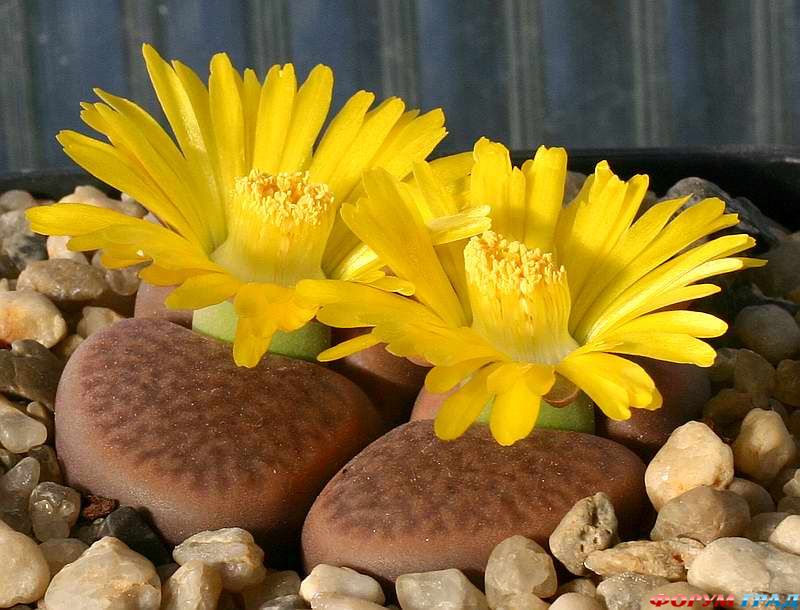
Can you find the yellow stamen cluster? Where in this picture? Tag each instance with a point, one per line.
(278, 226)
(520, 299)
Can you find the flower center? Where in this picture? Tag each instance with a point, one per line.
(278, 226)
(520, 299)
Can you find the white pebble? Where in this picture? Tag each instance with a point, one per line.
(786, 536)
(522, 601)
(96, 319)
(54, 510)
(331, 579)
(24, 573)
(519, 565)
(337, 601)
(18, 432)
(231, 550)
(57, 248)
(275, 584)
(763, 445)
(735, 565)
(26, 314)
(108, 576)
(575, 601)
(193, 586)
(16, 200)
(692, 456)
(445, 589)
(757, 498)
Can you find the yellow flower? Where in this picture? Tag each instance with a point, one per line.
(247, 204)
(550, 290)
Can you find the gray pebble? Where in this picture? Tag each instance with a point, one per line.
(769, 330)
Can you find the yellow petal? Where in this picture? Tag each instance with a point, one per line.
(545, 179)
(202, 291)
(514, 413)
(308, 115)
(274, 116)
(346, 348)
(695, 323)
(462, 407)
(441, 379)
(227, 114)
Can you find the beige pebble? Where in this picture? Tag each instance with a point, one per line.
(763, 446)
(67, 346)
(757, 497)
(787, 385)
(625, 591)
(578, 585)
(703, 514)
(575, 601)
(665, 558)
(231, 550)
(19, 432)
(63, 281)
(692, 456)
(519, 565)
(24, 572)
(439, 589)
(16, 200)
(193, 586)
(789, 504)
(59, 552)
(754, 376)
(761, 526)
(275, 584)
(95, 319)
(57, 248)
(26, 314)
(338, 601)
(332, 579)
(792, 486)
(786, 536)
(522, 601)
(590, 525)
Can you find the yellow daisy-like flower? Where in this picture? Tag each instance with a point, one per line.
(549, 291)
(247, 204)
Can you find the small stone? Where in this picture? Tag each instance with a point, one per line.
(337, 601)
(88, 533)
(761, 526)
(54, 509)
(789, 504)
(165, 571)
(779, 276)
(7, 460)
(16, 200)
(736, 565)
(590, 525)
(67, 346)
(769, 330)
(20, 245)
(29, 370)
(275, 584)
(57, 248)
(15, 489)
(194, 586)
(703, 514)
(692, 456)
(25, 314)
(43, 415)
(445, 589)
(96, 319)
(667, 558)
(786, 535)
(763, 446)
(522, 601)
(107, 576)
(669, 590)
(284, 602)
(724, 365)
(792, 486)
(24, 574)
(576, 601)
(63, 281)
(758, 499)
(728, 406)
(519, 565)
(18, 432)
(787, 382)
(331, 579)
(625, 591)
(127, 525)
(61, 551)
(754, 375)
(776, 485)
(231, 550)
(123, 281)
(578, 585)
(95, 507)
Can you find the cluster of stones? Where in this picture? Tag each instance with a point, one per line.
(725, 491)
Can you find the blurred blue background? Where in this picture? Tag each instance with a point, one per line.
(580, 73)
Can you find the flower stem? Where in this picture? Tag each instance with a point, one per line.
(577, 416)
(219, 322)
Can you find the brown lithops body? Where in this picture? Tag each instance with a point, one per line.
(413, 503)
(156, 416)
